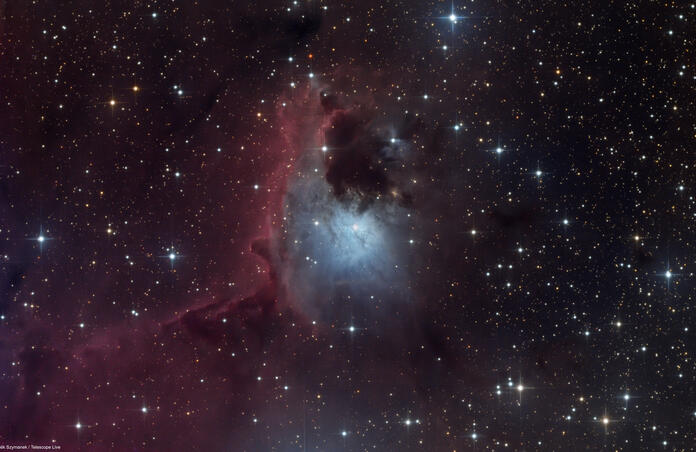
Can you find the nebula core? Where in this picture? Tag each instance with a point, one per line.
(343, 236)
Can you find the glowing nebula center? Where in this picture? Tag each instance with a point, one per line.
(338, 246)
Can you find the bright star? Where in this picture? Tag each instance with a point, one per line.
(452, 17)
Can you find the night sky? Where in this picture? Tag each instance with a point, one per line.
(318, 225)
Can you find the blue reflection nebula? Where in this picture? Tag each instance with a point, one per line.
(335, 250)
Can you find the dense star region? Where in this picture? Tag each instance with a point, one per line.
(347, 226)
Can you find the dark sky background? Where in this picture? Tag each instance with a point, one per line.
(347, 226)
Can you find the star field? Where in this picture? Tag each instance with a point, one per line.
(347, 226)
